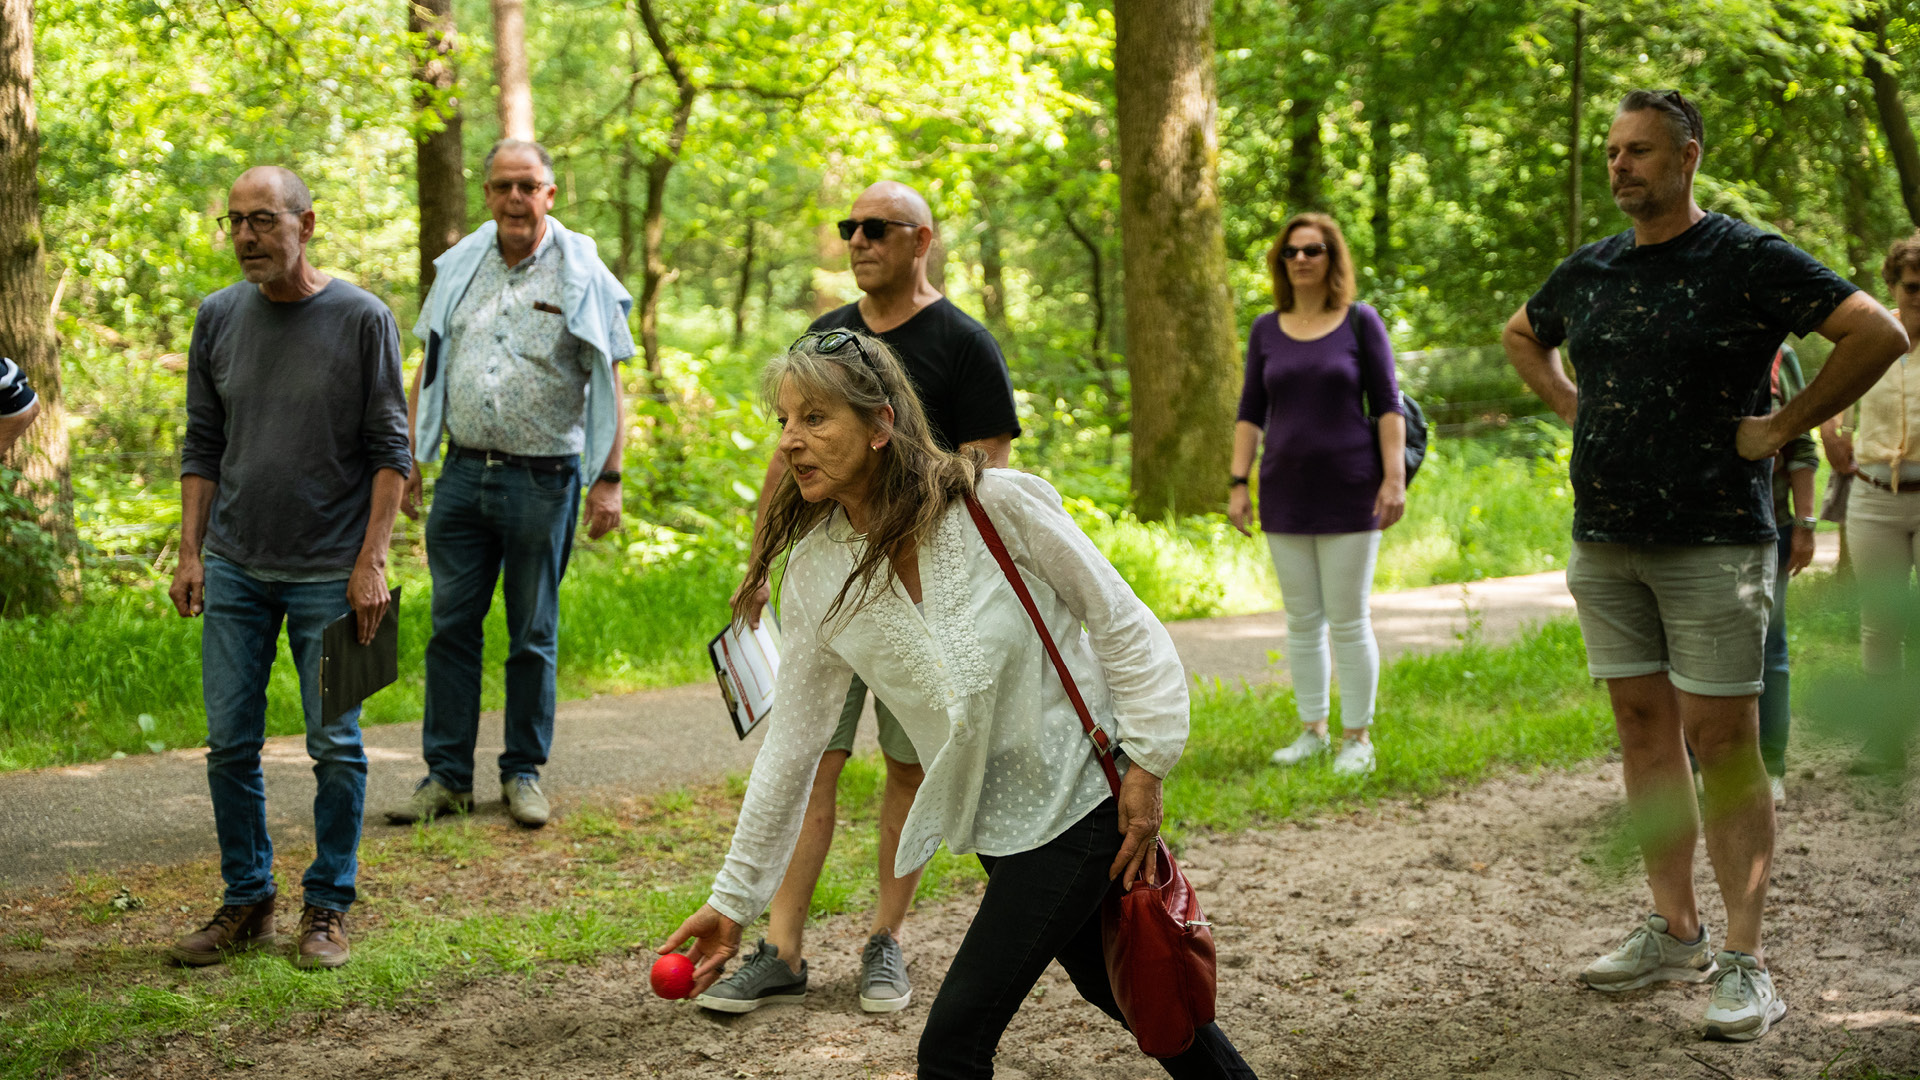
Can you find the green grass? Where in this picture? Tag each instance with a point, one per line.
(624, 625)
(1442, 721)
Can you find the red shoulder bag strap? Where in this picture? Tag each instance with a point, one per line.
(1102, 745)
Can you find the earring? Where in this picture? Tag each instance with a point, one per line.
(875, 447)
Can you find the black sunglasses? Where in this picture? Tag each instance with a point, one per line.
(873, 228)
(828, 342)
(1288, 252)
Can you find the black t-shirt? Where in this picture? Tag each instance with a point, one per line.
(1672, 344)
(954, 364)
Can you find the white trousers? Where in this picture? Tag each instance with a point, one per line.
(1324, 584)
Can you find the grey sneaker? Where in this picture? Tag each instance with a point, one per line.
(1651, 955)
(764, 979)
(1306, 746)
(526, 803)
(883, 975)
(431, 799)
(1744, 1004)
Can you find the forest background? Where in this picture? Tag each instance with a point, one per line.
(710, 146)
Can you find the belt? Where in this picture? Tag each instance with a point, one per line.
(558, 464)
(1908, 488)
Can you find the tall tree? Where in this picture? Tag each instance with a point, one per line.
(1179, 320)
(653, 222)
(1894, 122)
(26, 321)
(1577, 98)
(438, 171)
(510, 69)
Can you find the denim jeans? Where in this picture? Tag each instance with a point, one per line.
(1042, 905)
(486, 520)
(239, 634)
(1775, 715)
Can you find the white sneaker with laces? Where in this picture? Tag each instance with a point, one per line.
(1306, 746)
(1354, 759)
(1779, 787)
(1744, 1005)
(1651, 955)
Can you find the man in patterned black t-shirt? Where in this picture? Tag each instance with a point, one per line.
(1672, 326)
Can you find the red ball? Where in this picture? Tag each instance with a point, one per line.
(672, 976)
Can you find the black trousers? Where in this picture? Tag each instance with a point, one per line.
(1042, 905)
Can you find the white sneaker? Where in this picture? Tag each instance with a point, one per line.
(1304, 747)
(1651, 955)
(1779, 787)
(1744, 1004)
(1354, 759)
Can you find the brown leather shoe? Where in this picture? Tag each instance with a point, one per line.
(323, 938)
(234, 928)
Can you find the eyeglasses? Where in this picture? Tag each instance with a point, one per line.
(527, 188)
(872, 228)
(263, 221)
(1288, 252)
(828, 342)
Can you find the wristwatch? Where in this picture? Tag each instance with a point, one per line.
(609, 476)
(1237, 480)
(1807, 523)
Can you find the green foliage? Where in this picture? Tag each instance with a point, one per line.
(32, 558)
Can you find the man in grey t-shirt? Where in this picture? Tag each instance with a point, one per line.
(292, 470)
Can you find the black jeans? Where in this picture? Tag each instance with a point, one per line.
(1042, 905)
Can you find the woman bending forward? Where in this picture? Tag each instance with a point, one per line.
(888, 579)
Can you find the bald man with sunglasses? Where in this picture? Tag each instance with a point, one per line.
(961, 377)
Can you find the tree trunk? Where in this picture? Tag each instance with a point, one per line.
(653, 222)
(1179, 317)
(510, 69)
(1577, 101)
(1306, 159)
(1380, 158)
(1894, 123)
(438, 166)
(744, 287)
(26, 321)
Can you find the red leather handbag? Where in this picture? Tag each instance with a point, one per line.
(1159, 947)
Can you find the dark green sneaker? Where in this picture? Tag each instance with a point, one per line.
(430, 800)
(764, 979)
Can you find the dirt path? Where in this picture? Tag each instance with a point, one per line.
(1420, 940)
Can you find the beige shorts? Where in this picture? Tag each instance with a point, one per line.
(1695, 611)
(893, 738)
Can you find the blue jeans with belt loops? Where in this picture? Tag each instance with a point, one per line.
(491, 521)
(239, 635)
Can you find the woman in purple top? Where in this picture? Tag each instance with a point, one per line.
(1327, 485)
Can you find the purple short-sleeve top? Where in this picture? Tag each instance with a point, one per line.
(1320, 465)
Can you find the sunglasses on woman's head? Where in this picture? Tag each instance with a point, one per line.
(1288, 252)
(828, 342)
(872, 228)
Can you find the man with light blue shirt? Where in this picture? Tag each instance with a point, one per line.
(523, 327)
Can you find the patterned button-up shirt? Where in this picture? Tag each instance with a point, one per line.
(516, 379)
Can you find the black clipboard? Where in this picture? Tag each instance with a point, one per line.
(350, 672)
(746, 662)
